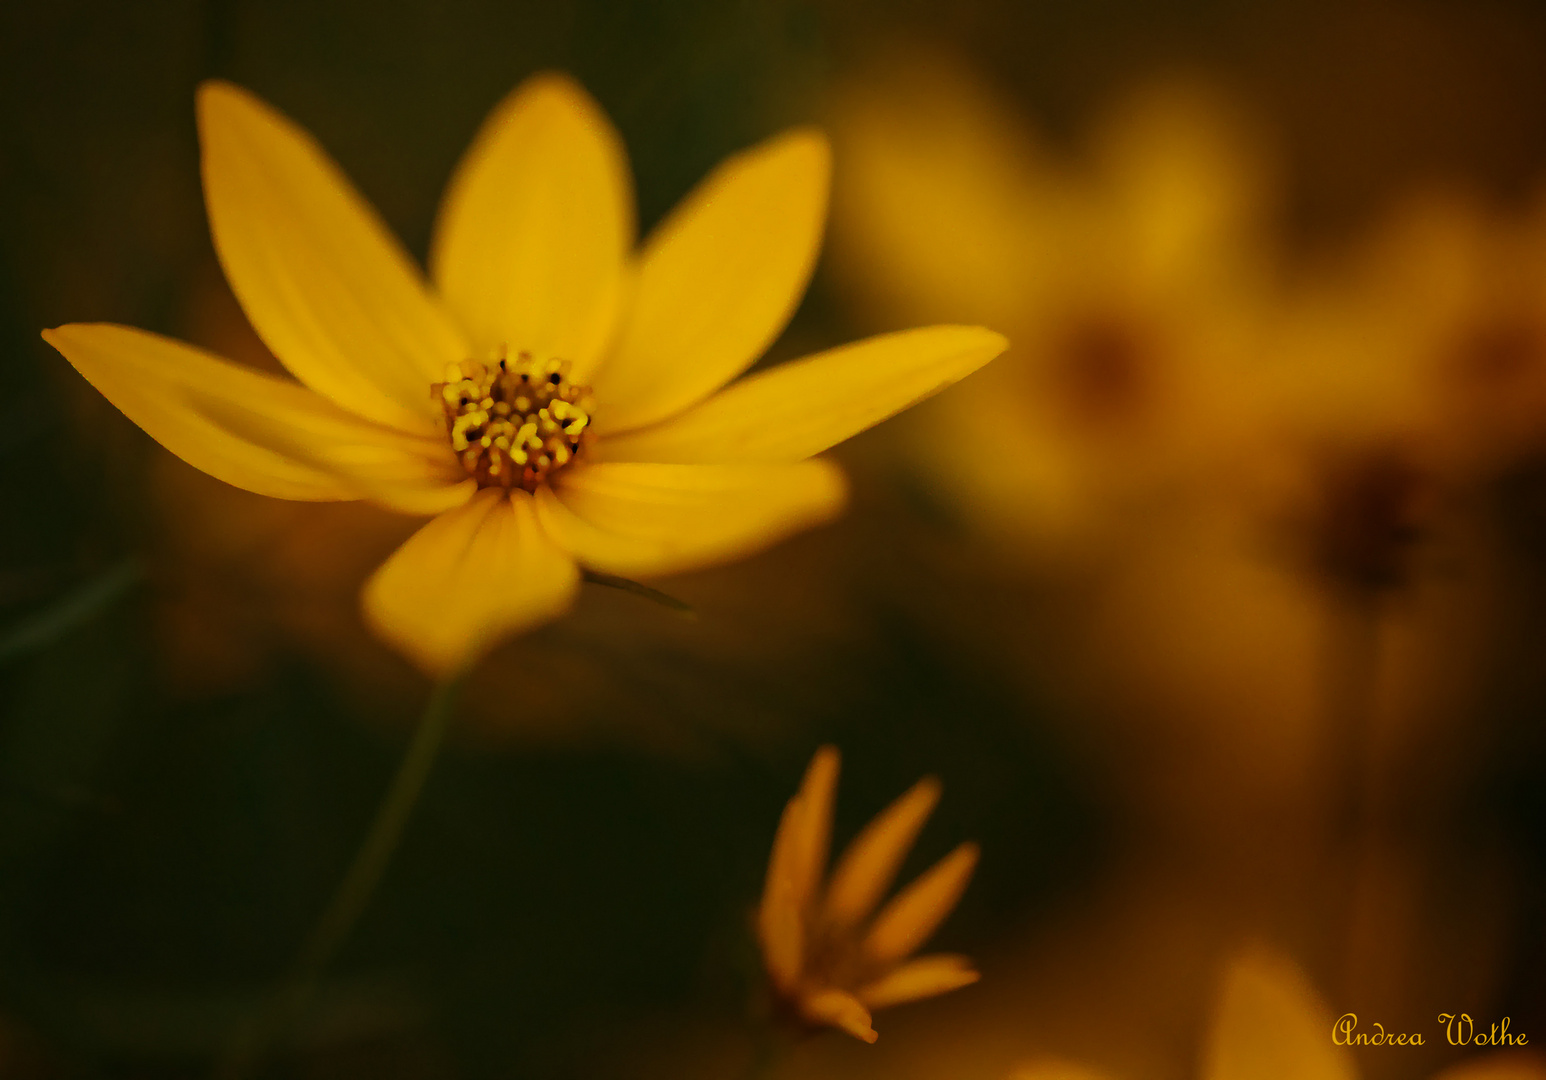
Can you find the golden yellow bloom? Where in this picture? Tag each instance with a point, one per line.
(1436, 319)
(1131, 281)
(1268, 1023)
(554, 399)
(828, 961)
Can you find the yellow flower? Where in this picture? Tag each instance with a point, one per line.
(1132, 284)
(1436, 320)
(1269, 1024)
(554, 399)
(828, 961)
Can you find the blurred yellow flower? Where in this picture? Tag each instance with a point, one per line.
(1132, 286)
(1268, 1023)
(1403, 371)
(553, 399)
(1445, 303)
(829, 962)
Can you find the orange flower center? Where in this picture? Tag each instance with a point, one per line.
(514, 422)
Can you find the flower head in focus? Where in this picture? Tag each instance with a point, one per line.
(552, 398)
(829, 961)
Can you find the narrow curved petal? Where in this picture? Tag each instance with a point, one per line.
(467, 580)
(780, 921)
(908, 920)
(839, 1010)
(869, 866)
(781, 876)
(800, 845)
(788, 890)
(536, 226)
(643, 520)
(321, 279)
(924, 977)
(801, 408)
(718, 281)
(254, 431)
(813, 832)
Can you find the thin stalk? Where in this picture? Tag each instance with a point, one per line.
(1351, 701)
(666, 600)
(353, 894)
(1352, 754)
(768, 1050)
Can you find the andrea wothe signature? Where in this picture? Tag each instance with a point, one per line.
(1459, 1030)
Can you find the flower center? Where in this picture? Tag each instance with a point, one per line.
(514, 422)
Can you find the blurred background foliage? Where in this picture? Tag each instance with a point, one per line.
(1145, 656)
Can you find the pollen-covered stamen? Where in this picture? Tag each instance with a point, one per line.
(514, 422)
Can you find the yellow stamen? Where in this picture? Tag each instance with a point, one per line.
(514, 422)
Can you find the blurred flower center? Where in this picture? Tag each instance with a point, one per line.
(514, 422)
(1374, 516)
(1103, 370)
(1501, 352)
(837, 957)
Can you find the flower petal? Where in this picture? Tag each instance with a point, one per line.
(1269, 1021)
(801, 408)
(257, 432)
(535, 229)
(322, 280)
(867, 869)
(924, 977)
(789, 889)
(718, 280)
(944, 207)
(1189, 181)
(780, 921)
(643, 520)
(467, 580)
(840, 1010)
(800, 845)
(813, 831)
(908, 920)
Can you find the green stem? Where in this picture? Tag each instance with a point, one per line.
(353, 894)
(72, 610)
(666, 600)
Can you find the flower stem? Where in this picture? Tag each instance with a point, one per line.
(767, 1052)
(666, 600)
(1354, 766)
(353, 894)
(1352, 744)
